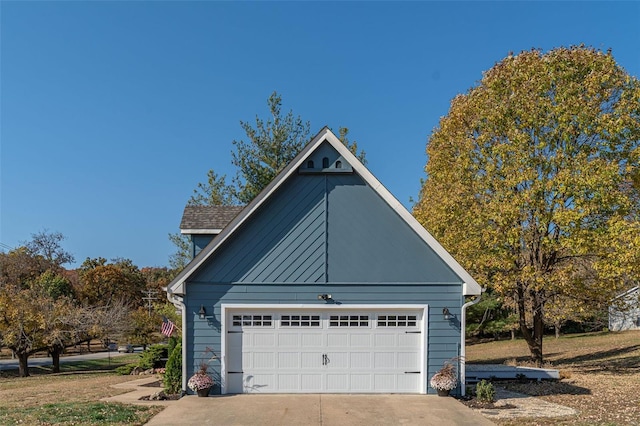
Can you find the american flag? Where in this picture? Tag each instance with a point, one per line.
(167, 327)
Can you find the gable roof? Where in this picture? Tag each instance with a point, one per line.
(207, 219)
(177, 286)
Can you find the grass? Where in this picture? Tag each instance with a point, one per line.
(77, 413)
(600, 376)
(71, 397)
(91, 365)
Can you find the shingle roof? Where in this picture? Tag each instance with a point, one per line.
(208, 217)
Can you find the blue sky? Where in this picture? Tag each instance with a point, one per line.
(112, 112)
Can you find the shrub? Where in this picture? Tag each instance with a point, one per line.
(151, 357)
(172, 379)
(172, 344)
(485, 392)
(125, 370)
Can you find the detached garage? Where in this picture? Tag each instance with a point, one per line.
(324, 283)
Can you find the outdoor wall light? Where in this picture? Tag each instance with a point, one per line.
(446, 314)
(202, 312)
(324, 297)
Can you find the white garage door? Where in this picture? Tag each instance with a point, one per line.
(334, 351)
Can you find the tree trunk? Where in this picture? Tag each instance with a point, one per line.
(23, 364)
(534, 340)
(557, 327)
(55, 356)
(538, 334)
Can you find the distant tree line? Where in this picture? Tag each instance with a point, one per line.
(45, 307)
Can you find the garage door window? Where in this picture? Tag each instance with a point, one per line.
(300, 321)
(349, 321)
(397, 320)
(252, 320)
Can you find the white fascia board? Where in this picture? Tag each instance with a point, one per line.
(200, 231)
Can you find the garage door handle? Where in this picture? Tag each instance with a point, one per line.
(325, 359)
(235, 372)
(411, 372)
(412, 332)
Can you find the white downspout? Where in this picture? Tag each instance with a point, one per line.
(177, 301)
(463, 349)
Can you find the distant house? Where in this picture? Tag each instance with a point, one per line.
(625, 314)
(323, 283)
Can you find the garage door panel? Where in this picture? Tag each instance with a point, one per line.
(310, 360)
(255, 383)
(384, 360)
(234, 383)
(407, 382)
(263, 340)
(385, 340)
(338, 340)
(288, 382)
(408, 360)
(261, 360)
(311, 382)
(324, 352)
(338, 382)
(310, 340)
(234, 363)
(336, 360)
(359, 340)
(408, 340)
(289, 360)
(360, 382)
(288, 339)
(360, 360)
(384, 382)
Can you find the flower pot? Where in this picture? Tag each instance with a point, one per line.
(203, 392)
(443, 392)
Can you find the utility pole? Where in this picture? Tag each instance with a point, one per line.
(149, 297)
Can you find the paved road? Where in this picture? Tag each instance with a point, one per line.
(12, 364)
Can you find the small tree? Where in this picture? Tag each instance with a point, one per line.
(268, 148)
(172, 379)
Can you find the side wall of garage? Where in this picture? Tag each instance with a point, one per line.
(204, 336)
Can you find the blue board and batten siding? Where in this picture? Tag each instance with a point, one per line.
(199, 242)
(323, 233)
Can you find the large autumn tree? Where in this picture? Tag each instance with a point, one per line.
(532, 182)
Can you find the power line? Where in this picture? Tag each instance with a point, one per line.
(149, 297)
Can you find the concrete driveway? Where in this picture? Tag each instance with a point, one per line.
(323, 409)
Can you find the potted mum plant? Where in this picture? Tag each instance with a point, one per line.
(201, 382)
(446, 379)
